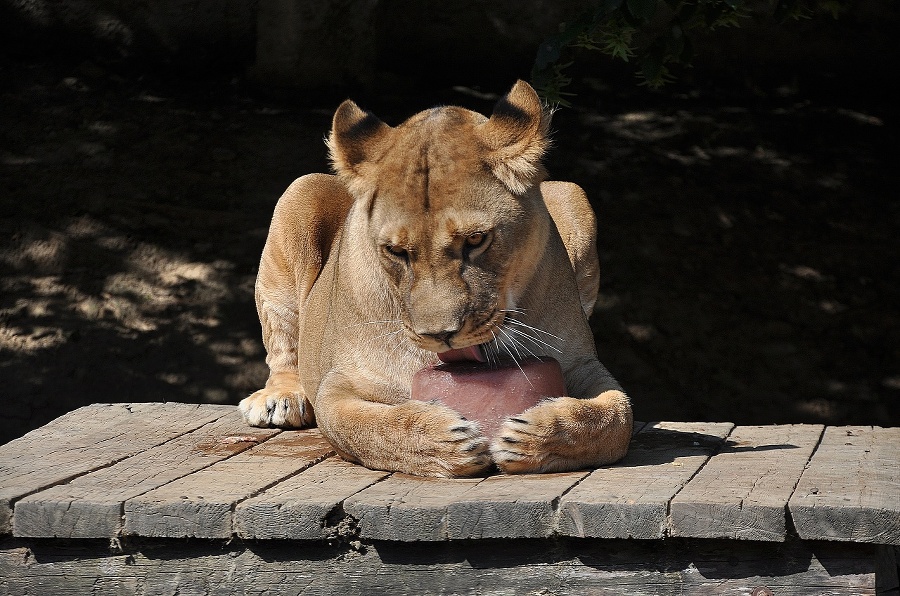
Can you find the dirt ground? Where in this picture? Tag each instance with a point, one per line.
(748, 243)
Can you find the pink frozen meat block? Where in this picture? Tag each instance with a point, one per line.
(487, 394)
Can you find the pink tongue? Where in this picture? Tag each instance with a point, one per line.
(470, 354)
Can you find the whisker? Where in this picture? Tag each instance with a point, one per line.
(487, 352)
(535, 340)
(383, 335)
(397, 346)
(503, 330)
(514, 342)
(376, 322)
(532, 327)
(524, 347)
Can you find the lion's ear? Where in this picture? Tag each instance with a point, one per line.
(516, 138)
(355, 136)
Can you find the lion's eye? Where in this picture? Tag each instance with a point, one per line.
(396, 251)
(475, 244)
(475, 240)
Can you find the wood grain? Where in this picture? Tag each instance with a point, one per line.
(742, 492)
(201, 504)
(851, 488)
(407, 508)
(184, 470)
(91, 506)
(490, 567)
(299, 507)
(631, 498)
(87, 439)
(410, 508)
(510, 506)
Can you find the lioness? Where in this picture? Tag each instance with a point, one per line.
(436, 235)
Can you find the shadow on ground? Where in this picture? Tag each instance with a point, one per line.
(748, 247)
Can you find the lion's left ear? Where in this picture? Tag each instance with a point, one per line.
(356, 135)
(516, 138)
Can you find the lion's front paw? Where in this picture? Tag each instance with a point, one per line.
(425, 439)
(275, 407)
(524, 443)
(564, 434)
(457, 448)
(466, 450)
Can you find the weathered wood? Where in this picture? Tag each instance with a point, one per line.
(510, 506)
(299, 507)
(410, 508)
(87, 439)
(407, 508)
(742, 492)
(201, 504)
(197, 471)
(631, 499)
(91, 506)
(503, 567)
(851, 487)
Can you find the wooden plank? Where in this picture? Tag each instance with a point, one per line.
(631, 499)
(407, 508)
(87, 439)
(742, 492)
(302, 506)
(91, 506)
(410, 508)
(497, 567)
(201, 504)
(851, 488)
(510, 506)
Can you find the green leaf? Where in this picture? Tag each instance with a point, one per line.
(617, 40)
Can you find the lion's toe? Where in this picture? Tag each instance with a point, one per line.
(281, 409)
(521, 446)
(466, 450)
(447, 444)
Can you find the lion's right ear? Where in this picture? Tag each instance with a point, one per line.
(356, 136)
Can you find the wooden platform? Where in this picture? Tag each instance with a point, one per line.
(111, 493)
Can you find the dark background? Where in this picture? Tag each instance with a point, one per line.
(747, 213)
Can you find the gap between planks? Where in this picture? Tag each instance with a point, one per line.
(77, 453)
(493, 507)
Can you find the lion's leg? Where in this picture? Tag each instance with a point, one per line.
(426, 439)
(281, 402)
(567, 433)
(304, 225)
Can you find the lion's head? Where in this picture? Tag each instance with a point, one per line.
(452, 210)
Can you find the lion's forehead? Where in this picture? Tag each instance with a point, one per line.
(439, 227)
(432, 185)
(435, 161)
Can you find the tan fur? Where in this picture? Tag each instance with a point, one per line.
(434, 234)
